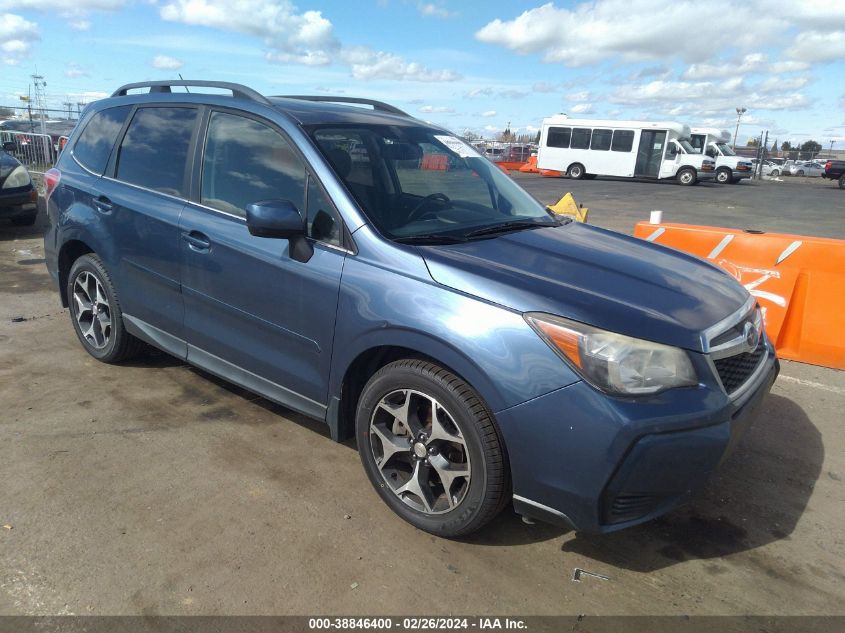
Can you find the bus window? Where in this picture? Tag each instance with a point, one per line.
(697, 142)
(623, 141)
(559, 137)
(601, 139)
(581, 138)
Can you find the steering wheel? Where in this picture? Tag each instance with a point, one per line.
(415, 214)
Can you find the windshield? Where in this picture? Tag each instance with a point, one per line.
(725, 149)
(689, 149)
(418, 183)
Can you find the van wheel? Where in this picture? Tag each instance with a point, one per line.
(724, 176)
(687, 176)
(95, 312)
(431, 448)
(575, 171)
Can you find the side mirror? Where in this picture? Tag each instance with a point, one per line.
(9, 146)
(274, 218)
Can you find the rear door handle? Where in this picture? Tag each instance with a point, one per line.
(197, 241)
(103, 204)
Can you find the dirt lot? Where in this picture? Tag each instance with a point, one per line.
(152, 488)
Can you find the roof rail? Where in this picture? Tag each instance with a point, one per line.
(238, 91)
(377, 105)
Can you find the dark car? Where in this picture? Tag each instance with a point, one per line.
(835, 170)
(481, 350)
(18, 197)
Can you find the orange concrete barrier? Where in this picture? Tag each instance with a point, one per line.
(799, 282)
(435, 162)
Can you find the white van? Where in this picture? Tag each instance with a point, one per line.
(713, 142)
(585, 148)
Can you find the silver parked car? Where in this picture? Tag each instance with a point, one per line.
(806, 169)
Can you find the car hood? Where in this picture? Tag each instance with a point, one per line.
(599, 277)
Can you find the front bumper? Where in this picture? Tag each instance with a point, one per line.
(599, 464)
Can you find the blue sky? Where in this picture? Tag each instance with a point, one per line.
(467, 65)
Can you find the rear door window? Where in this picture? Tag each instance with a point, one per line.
(94, 146)
(154, 151)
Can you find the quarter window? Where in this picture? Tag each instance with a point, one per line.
(154, 151)
(601, 139)
(581, 138)
(623, 141)
(559, 137)
(246, 161)
(94, 146)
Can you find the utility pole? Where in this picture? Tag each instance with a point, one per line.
(830, 151)
(758, 171)
(739, 112)
(68, 105)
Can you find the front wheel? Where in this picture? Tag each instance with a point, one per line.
(724, 176)
(800, 173)
(687, 177)
(431, 448)
(576, 171)
(774, 173)
(95, 312)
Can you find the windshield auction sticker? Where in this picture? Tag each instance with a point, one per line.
(457, 145)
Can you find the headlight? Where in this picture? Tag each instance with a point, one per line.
(612, 362)
(18, 178)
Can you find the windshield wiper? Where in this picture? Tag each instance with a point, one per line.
(506, 227)
(430, 238)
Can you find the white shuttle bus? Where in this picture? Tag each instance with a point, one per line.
(713, 142)
(586, 148)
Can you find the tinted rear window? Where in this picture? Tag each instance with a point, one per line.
(94, 145)
(559, 136)
(154, 151)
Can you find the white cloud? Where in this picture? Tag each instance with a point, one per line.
(16, 37)
(435, 109)
(582, 108)
(819, 47)
(74, 71)
(64, 6)
(80, 24)
(542, 86)
(491, 128)
(578, 97)
(431, 10)
(291, 36)
(752, 62)
(369, 64)
(488, 113)
(634, 30)
(165, 62)
(780, 84)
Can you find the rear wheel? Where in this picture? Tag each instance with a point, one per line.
(842, 181)
(724, 176)
(431, 448)
(775, 173)
(800, 172)
(95, 312)
(687, 176)
(575, 171)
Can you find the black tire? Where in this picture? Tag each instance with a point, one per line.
(800, 172)
(724, 177)
(25, 220)
(576, 171)
(775, 173)
(487, 490)
(842, 181)
(687, 176)
(119, 344)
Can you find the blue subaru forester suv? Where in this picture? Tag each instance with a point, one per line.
(373, 271)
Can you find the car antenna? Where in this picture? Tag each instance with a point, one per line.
(183, 79)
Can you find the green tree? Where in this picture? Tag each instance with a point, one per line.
(811, 147)
(785, 146)
(752, 142)
(774, 147)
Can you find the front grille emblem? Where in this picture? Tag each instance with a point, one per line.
(752, 336)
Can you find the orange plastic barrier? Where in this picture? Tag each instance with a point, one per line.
(550, 173)
(799, 282)
(530, 167)
(435, 162)
(509, 165)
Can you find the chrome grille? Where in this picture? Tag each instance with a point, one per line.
(734, 371)
(737, 350)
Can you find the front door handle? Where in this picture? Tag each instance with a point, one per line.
(197, 242)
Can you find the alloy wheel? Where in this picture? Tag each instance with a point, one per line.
(420, 451)
(91, 310)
